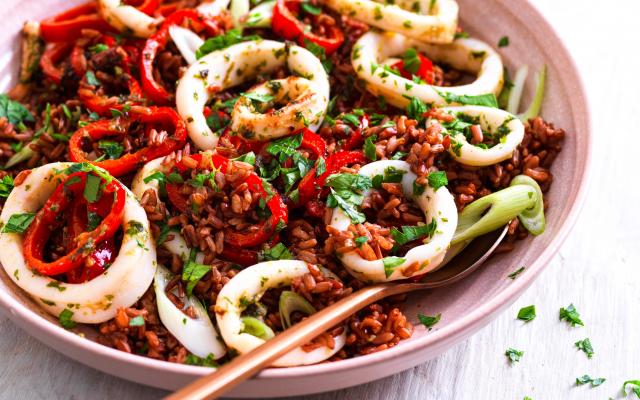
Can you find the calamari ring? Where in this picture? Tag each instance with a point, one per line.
(304, 104)
(212, 8)
(492, 120)
(127, 18)
(469, 55)
(438, 204)
(424, 20)
(251, 283)
(223, 69)
(91, 302)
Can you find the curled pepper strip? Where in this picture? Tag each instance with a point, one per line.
(52, 56)
(68, 26)
(310, 186)
(46, 221)
(356, 139)
(156, 43)
(151, 116)
(285, 24)
(424, 72)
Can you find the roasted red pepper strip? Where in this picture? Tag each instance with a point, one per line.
(52, 56)
(314, 143)
(285, 24)
(310, 185)
(424, 72)
(105, 252)
(356, 139)
(47, 221)
(68, 26)
(244, 257)
(152, 88)
(162, 117)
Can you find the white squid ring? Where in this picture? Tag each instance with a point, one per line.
(439, 27)
(250, 284)
(212, 8)
(223, 69)
(469, 55)
(126, 18)
(304, 106)
(438, 204)
(490, 119)
(96, 301)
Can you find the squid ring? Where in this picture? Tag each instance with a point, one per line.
(493, 120)
(303, 100)
(223, 69)
(127, 18)
(469, 55)
(94, 301)
(424, 20)
(249, 285)
(435, 204)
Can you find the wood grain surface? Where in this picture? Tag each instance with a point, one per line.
(598, 268)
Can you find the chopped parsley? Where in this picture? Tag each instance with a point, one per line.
(209, 361)
(513, 355)
(249, 158)
(65, 319)
(346, 193)
(258, 97)
(585, 346)
(527, 313)
(437, 179)
(92, 188)
(319, 52)
(429, 321)
(234, 36)
(137, 321)
(515, 273)
(581, 380)
(6, 186)
(310, 8)
(91, 78)
(503, 42)
(416, 109)
(571, 315)
(360, 240)
(15, 112)
(488, 100)
(18, 223)
(411, 233)
(277, 252)
(112, 150)
(411, 61)
(370, 147)
(635, 388)
(192, 273)
(390, 264)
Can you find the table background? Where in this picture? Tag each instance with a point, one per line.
(598, 268)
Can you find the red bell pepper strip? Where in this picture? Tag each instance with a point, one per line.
(47, 221)
(310, 185)
(162, 117)
(156, 43)
(78, 59)
(356, 139)
(285, 24)
(244, 257)
(52, 56)
(313, 143)
(68, 26)
(424, 72)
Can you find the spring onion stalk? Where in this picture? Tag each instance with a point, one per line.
(186, 41)
(260, 15)
(516, 91)
(198, 335)
(531, 218)
(497, 209)
(253, 326)
(239, 9)
(291, 302)
(23, 155)
(535, 106)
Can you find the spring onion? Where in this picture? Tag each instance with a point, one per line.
(260, 15)
(257, 328)
(23, 155)
(516, 91)
(497, 209)
(535, 106)
(291, 302)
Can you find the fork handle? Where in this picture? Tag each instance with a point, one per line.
(246, 365)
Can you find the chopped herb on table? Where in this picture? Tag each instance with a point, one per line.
(571, 315)
(581, 380)
(585, 346)
(513, 355)
(527, 313)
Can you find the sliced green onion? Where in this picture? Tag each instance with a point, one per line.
(239, 8)
(531, 218)
(253, 326)
(23, 155)
(516, 91)
(535, 106)
(260, 15)
(291, 302)
(495, 210)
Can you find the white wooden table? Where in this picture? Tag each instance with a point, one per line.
(598, 268)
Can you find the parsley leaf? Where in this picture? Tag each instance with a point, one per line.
(348, 206)
(581, 380)
(515, 273)
(136, 321)
(112, 150)
(513, 354)
(258, 98)
(411, 233)
(65, 319)
(635, 389)
(585, 345)
(284, 148)
(277, 252)
(571, 315)
(192, 273)
(91, 78)
(6, 186)
(503, 42)
(390, 264)
(488, 100)
(348, 181)
(416, 108)
(234, 36)
(410, 61)
(249, 158)
(15, 112)
(429, 321)
(527, 313)
(370, 147)
(210, 361)
(18, 223)
(91, 188)
(310, 8)
(438, 179)
(360, 240)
